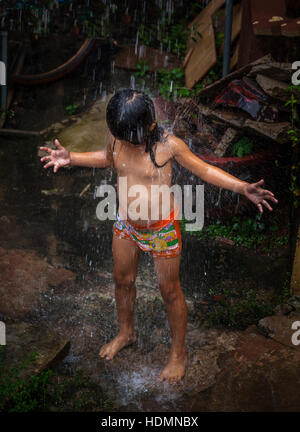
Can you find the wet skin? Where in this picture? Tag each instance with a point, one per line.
(132, 161)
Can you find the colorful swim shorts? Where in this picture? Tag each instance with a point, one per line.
(162, 239)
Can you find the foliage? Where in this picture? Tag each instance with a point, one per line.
(243, 147)
(239, 313)
(294, 137)
(245, 231)
(7, 113)
(142, 69)
(71, 109)
(19, 394)
(171, 38)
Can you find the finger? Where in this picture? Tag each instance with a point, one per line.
(56, 168)
(45, 158)
(271, 198)
(259, 183)
(269, 192)
(58, 144)
(260, 208)
(266, 204)
(46, 149)
(49, 164)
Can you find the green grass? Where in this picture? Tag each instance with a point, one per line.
(45, 391)
(239, 313)
(251, 233)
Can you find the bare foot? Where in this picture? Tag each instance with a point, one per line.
(175, 368)
(109, 350)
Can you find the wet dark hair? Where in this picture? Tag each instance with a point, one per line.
(129, 115)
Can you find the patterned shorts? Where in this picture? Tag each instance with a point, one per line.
(162, 240)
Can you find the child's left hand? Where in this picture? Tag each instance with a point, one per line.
(255, 193)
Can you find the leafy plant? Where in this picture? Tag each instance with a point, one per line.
(244, 231)
(293, 133)
(142, 69)
(18, 394)
(238, 313)
(165, 36)
(71, 109)
(232, 311)
(243, 147)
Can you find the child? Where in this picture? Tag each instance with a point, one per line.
(144, 154)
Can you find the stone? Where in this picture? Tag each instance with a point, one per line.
(87, 132)
(24, 276)
(23, 339)
(294, 301)
(279, 328)
(283, 309)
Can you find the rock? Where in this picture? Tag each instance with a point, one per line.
(283, 309)
(24, 276)
(22, 339)
(279, 328)
(268, 383)
(88, 132)
(294, 301)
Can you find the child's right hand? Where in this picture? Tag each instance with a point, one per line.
(58, 158)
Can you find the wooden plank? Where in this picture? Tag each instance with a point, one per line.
(295, 281)
(206, 13)
(200, 23)
(203, 57)
(235, 57)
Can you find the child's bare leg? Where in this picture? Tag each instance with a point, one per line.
(126, 256)
(167, 271)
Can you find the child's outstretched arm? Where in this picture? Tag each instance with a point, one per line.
(62, 157)
(216, 176)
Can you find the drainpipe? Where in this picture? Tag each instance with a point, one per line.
(4, 69)
(227, 37)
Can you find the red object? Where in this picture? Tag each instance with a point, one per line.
(217, 298)
(240, 161)
(248, 97)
